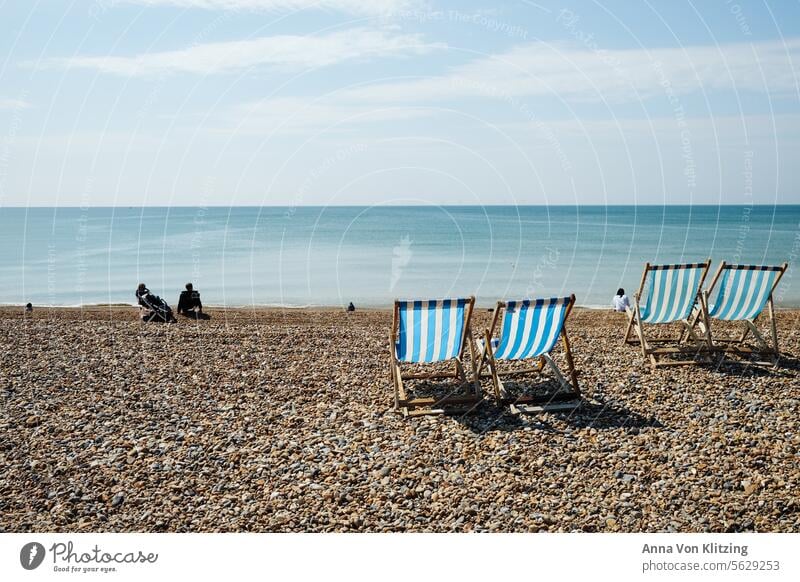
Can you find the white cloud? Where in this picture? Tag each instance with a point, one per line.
(349, 6)
(289, 115)
(581, 73)
(285, 51)
(13, 104)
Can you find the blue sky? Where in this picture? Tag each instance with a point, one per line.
(218, 102)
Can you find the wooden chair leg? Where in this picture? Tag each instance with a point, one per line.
(640, 332)
(630, 313)
(499, 389)
(773, 325)
(476, 380)
(570, 363)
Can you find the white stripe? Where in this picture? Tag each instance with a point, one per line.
(437, 327)
(409, 330)
(540, 330)
(423, 332)
(691, 296)
(765, 280)
(654, 301)
(554, 327)
(512, 332)
(451, 339)
(730, 309)
(669, 299)
(526, 330)
(676, 304)
(741, 309)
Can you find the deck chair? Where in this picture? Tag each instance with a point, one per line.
(672, 293)
(426, 332)
(530, 330)
(742, 292)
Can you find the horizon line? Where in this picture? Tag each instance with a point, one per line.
(398, 205)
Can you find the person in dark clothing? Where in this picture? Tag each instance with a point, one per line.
(141, 292)
(152, 307)
(351, 307)
(189, 300)
(28, 308)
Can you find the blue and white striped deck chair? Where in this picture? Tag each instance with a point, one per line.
(427, 332)
(672, 293)
(742, 293)
(530, 330)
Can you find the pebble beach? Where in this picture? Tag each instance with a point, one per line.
(276, 420)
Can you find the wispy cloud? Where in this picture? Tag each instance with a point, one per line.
(579, 73)
(284, 51)
(289, 115)
(13, 104)
(350, 6)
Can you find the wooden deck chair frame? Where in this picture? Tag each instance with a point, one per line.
(768, 348)
(451, 404)
(657, 355)
(567, 399)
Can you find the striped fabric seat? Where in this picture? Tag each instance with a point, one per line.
(672, 292)
(430, 331)
(530, 328)
(743, 292)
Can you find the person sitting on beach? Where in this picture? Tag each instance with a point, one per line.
(351, 307)
(141, 292)
(189, 300)
(28, 308)
(620, 301)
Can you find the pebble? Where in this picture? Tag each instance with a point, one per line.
(256, 438)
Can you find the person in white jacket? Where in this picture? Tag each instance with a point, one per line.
(620, 301)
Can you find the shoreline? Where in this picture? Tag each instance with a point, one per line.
(13, 307)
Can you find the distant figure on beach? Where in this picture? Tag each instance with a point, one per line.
(152, 307)
(189, 300)
(28, 308)
(620, 301)
(141, 292)
(351, 307)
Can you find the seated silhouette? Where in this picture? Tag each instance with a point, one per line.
(189, 303)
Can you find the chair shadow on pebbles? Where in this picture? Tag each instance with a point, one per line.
(597, 414)
(787, 367)
(195, 315)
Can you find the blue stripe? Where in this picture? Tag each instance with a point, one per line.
(511, 307)
(521, 315)
(673, 303)
(688, 294)
(459, 331)
(402, 330)
(656, 283)
(556, 327)
(729, 306)
(759, 299)
(540, 347)
(714, 309)
(749, 279)
(509, 346)
(445, 329)
(537, 317)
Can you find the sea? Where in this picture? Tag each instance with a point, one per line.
(330, 256)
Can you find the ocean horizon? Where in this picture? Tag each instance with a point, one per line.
(327, 256)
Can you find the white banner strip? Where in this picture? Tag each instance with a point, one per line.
(401, 557)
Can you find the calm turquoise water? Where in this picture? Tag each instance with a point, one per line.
(370, 255)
